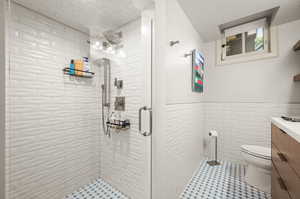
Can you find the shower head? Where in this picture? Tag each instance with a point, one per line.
(109, 42)
(114, 38)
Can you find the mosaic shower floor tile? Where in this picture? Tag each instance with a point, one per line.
(97, 190)
(221, 182)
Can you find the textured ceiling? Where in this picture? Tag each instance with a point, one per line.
(86, 15)
(206, 16)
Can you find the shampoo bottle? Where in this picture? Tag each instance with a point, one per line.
(86, 64)
(72, 68)
(79, 67)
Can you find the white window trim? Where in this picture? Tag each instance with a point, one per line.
(245, 27)
(270, 50)
(242, 29)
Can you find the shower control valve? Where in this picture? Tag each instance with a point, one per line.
(118, 83)
(120, 103)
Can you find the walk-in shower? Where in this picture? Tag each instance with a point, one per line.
(72, 105)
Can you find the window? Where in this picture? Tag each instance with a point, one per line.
(245, 42)
(247, 38)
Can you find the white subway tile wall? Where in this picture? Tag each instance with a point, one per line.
(188, 126)
(52, 120)
(241, 123)
(183, 144)
(241, 109)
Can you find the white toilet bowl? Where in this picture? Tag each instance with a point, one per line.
(259, 166)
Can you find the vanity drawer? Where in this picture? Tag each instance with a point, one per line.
(279, 190)
(288, 147)
(288, 175)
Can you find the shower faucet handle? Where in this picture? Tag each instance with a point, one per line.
(118, 83)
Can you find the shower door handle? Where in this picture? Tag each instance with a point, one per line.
(145, 133)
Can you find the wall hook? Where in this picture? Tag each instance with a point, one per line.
(187, 54)
(172, 43)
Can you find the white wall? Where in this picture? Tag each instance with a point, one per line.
(178, 136)
(124, 156)
(2, 99)
(52, 119)
(240, 99)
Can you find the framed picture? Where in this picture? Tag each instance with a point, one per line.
(197, 71)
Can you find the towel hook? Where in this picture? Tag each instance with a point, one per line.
(172, 43)
(188, 54)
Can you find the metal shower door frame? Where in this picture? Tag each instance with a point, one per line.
(145, 112)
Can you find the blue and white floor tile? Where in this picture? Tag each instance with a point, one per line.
(97, 190)
(221, 182)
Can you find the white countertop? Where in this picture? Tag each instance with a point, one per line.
(291, 128)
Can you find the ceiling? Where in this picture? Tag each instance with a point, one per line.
(206, 16)
(88, 15)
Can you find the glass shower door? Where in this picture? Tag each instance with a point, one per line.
(55, 141)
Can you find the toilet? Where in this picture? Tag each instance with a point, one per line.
(258, 171)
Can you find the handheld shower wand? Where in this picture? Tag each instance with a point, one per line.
(106, 95)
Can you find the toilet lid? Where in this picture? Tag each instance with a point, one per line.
(257, 151)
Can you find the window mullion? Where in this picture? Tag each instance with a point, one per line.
(243, 43)
(266, 39)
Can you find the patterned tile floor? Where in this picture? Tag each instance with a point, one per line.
(221, 182)
(99, 189)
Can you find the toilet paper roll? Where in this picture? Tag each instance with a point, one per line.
(213, 133)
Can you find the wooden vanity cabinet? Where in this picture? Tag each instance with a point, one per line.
(286, 165)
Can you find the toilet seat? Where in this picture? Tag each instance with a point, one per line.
(259, 166)
(257, 151)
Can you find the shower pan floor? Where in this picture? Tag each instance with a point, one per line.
(221, 182)
(99, 189)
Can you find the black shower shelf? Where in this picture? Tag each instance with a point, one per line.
(297, 46)
(119, 124)
(85, 74)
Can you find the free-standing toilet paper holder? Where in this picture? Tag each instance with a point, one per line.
(214, 162)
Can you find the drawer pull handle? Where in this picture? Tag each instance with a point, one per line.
(282, 184)
(282, 131)
(282, 157)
